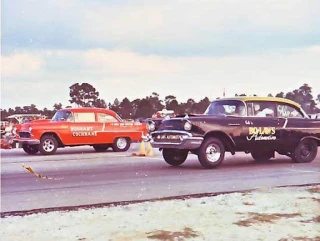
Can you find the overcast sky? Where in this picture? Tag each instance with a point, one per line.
(130, 49)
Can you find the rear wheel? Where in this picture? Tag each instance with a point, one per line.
(262, 156)
(121, 144)
(305, 152)
(48, 145)
(30, 149)
(174, 157)
(101, 147)
(211, 152)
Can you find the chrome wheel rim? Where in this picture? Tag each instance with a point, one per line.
(213, 153)
(48, 145)
(122, 143)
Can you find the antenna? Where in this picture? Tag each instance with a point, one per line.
(224, 92)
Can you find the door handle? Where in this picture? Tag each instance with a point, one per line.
(233, 124)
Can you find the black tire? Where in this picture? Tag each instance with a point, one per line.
(174, 157)
(305, 152)
(48, 145)
(30, 149)
(262, 156)
(101, 147)
(121, 144)
(211, 144)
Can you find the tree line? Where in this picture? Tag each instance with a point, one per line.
(85, 95)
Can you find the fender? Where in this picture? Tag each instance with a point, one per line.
(311, 137)
(224, 136)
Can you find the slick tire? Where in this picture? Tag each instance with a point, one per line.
(30, 149)
(305, 152)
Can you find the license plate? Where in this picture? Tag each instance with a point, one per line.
(168, 137)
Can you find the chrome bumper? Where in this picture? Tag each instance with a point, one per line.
(27, 141)
(185, 141)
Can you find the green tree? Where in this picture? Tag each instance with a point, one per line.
(172, 103)
(144, 109)
(189, 106)
(125, 109)
(57, 106)
(115, 106)
(84, 95)
(280, 95)
(155, 102)
(100, 103)
(202, 105)
(304, 97)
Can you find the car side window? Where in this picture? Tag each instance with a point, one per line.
(250, 109)
(84, 117)
(287, 111)
(261, 109)
(102, 117)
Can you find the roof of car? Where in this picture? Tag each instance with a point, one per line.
(85, 109)
(256, 98)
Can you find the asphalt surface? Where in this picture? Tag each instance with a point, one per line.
(82, 176)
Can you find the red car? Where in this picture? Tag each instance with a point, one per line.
(97, 127)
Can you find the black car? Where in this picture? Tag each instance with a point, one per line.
(257, 125)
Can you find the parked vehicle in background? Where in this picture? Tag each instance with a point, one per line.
(97, 127)
(11, 127)
(163, 113)
(257, 125)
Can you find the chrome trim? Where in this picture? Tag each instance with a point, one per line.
(171, 131)
(28, 141)
(178, 143)
(285, 123)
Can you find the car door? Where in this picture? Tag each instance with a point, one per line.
(295, 125)
(261, 126)
(107, 127)
(83, 130)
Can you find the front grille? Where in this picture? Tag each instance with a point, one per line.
(172, 124)
(24, 134)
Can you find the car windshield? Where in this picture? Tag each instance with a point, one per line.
(226, 107)
(62, 115)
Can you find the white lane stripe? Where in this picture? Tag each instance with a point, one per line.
(307, 171)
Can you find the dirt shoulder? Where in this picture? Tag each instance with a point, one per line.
(287, 213)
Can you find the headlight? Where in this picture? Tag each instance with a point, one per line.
(30, 128)
(187, 126)
(151, 126)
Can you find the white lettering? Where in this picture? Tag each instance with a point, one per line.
(256, 137)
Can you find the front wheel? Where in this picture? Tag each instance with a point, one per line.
(30, 149)
(121, 144)
(305, 152)
(48, 145)
(174, 157)
(211, 153)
